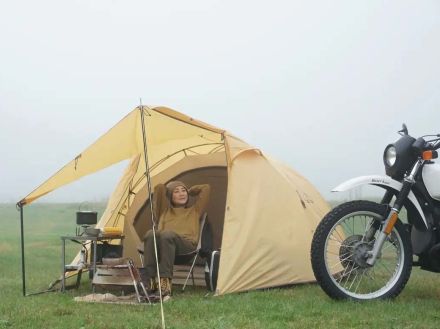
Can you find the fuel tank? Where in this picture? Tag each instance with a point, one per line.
(431, 178)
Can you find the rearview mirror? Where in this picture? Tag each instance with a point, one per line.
(404, 130)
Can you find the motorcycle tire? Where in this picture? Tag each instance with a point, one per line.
(338, 254)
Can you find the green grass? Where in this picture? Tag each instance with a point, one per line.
(302, 306)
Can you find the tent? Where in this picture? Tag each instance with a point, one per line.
(263, 213)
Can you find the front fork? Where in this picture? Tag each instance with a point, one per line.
(393, 215)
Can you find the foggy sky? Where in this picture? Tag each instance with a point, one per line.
(320, 85)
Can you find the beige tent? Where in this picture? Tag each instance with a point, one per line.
(262, 212)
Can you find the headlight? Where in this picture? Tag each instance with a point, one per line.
(399, 157)
(390, 156)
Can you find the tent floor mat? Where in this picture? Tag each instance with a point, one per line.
(108, 298)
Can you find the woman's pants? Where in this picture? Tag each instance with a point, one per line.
(169, 244)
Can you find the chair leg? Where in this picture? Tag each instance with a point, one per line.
(190, 271)
(78, 278)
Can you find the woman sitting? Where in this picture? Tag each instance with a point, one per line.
(178, 231)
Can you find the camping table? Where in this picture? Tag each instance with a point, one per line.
(93, 239)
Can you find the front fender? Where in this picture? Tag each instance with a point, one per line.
(386, 183)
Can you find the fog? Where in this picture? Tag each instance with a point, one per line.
(320, 85)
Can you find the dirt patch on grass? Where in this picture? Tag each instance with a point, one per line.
(5, 247)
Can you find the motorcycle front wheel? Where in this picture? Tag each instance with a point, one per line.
(340, 249)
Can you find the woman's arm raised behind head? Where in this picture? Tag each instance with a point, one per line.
(160, 201)
(202, 192)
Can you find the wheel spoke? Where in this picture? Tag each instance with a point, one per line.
(337, 263)
(340, 261)
(354, 269)
(354, 280)
(348, 228)
(388, 246)
(337, 232)
(383, 265)
(349, 272)
(336, 240)
(343, 274)
(367, 274)
(360, 280)
(368, 225)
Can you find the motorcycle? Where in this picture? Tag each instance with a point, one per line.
(363, 250)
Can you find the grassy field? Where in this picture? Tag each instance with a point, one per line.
(302, 306)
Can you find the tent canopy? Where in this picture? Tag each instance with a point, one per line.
(262, 212)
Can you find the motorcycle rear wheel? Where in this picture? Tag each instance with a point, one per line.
(338, 254)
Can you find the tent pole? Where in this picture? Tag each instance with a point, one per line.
(23, 268)
(147, 173)
(23, 272)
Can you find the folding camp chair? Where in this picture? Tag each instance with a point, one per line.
(182, 258)
(190, 257)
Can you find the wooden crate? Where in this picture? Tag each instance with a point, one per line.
(114, 276)
(181, 271)
(107, 276)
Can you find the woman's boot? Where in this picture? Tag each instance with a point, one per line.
(165, 286)
(151, 285)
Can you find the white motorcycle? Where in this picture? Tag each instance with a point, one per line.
(364, 250)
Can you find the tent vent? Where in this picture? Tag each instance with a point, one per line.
(76, 160)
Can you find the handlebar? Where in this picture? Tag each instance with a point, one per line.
(420, 143)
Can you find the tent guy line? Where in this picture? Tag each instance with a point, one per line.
(153, 220)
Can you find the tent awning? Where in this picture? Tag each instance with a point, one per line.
(169, 135)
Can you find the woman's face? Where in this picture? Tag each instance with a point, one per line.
(180, 196)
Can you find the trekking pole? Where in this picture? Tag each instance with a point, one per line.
(137, 281)
(147, 173)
